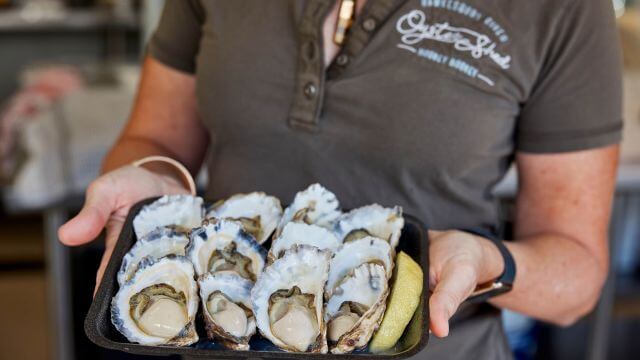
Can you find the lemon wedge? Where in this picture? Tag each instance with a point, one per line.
(401, 305)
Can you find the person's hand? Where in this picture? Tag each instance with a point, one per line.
(107, 204)
(459, 261)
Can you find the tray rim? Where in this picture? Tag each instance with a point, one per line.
(94, 334)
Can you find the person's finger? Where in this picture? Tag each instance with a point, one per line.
(454, 285)
(87, 225)
(112, 231)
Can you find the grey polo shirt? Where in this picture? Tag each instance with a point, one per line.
(424, 107)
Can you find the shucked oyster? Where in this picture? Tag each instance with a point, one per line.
(226, 306)
(314, 205)
(223, 246)
(158, 243)
(302, 234)
(356, 291)
(371, 220)
(288, 301)
(355, 253)
(183, 211)
(355, 309)
(258, 213)
(158, 305)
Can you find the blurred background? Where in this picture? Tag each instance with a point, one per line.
(68, 72)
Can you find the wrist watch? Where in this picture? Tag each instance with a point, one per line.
(504, 282)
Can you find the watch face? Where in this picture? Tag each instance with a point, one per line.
(488, 291)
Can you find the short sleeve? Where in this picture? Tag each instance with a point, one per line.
(576, 102)
(176, 41)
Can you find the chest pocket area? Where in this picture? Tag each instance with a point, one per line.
(462, 41)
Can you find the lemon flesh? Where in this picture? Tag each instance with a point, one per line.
(401, 305)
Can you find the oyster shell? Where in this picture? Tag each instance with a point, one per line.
(183, 211)
(158, 243)
(355, 253)
(374, 220)
(223, 246)
(314, 205)
(226, 306)
(288, 301)
(302, 234)
(258, 213)
(355, 309)
(158, 305)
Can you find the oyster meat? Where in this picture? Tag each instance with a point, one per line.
(224, 246)
(371, 220)
(302, 234)
(352, 254)
(288, 300)
(158, 243)
(355, 308)
(258, 212)
(314, 205)
(158, 305)
(183, 211)
(226, 306)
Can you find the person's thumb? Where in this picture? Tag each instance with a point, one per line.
(87, 225)
(454, 285)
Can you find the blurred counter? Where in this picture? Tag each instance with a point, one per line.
(62, 19)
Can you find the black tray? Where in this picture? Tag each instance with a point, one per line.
(98, 327)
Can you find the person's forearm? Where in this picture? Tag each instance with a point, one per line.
(557, 280)
(127, 150)
(164, 121)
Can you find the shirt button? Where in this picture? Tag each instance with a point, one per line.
(369, 24)
(342, 59)
(310, 90)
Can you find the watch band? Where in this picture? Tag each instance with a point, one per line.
(504, 283)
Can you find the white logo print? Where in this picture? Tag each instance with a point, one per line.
(414, 28)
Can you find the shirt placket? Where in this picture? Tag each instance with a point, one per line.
(374, 14)
(308, 99)
(309, 89)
